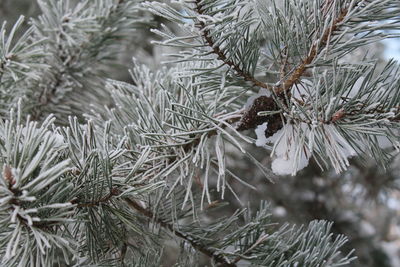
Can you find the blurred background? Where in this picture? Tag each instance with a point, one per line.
(363, 202)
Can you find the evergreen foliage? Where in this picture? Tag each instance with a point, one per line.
(101, 172)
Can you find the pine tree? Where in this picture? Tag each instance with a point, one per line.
(103, 170)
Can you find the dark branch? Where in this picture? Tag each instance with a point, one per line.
(221, 55)
(251, 119)
(221, 260)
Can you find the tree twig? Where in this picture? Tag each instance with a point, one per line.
(47, 93)
(250, 119)
(259, 241)
(299, 71)
(220, 259)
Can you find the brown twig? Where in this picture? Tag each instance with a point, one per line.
(299, 71)
(221, 55)
(251, 119)
(284, 56)
(221, 260)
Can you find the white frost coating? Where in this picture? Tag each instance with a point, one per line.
(287, 166)
(337, 148)
(292, 152)
(260, 132)
(289, 158)
(303, 88)
(58, 139)
(295, 143)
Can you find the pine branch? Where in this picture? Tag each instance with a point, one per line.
(70, 58)
(258, 242)
(222, 261)
(299, 71)
(221, 54)
(105, 199)
(115, 192)
(250, 119)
